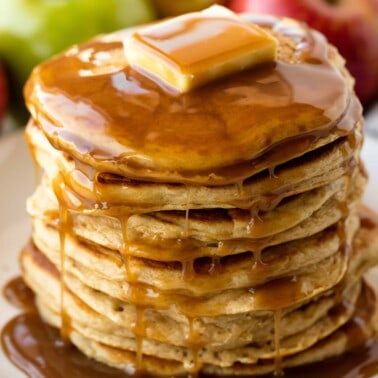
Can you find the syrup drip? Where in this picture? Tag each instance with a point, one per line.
(240, 189)
(186, 226)
(194, 345)
(251, 222)
(215, 266)
(125, 254)
(221, 248)
(187, 209)
(64, 228)
(257, 263)
(257, 260)
(277, 342)
(272, 173)
(188, 270)
(256, 222)
(138, 327)
(140, 331)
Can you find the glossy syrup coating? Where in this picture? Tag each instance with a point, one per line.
(92, 104)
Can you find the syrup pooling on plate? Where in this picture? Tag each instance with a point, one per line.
(133, 121)
(18, 294)
(36, 348)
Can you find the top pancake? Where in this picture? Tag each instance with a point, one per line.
(107, 115)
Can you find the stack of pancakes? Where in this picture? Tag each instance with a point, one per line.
(214, 231)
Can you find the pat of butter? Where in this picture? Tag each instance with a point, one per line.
(190, 50)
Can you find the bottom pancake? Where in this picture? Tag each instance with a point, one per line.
(335, 344)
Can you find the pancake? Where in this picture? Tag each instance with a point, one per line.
(216, 231)
(281, 261)
(208, 226)
(261, 191)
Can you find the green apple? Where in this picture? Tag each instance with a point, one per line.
(3, 94)
(33, 30)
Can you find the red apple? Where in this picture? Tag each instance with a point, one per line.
(173, 8)
(3, 94)
(351, 25)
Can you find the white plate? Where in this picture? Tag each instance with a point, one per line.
(17, 182)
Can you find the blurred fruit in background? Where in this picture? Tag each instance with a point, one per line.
(33, 30)
(3, 94)
(351, 25)
(169, 8)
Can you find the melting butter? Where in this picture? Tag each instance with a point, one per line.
(191, 50)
